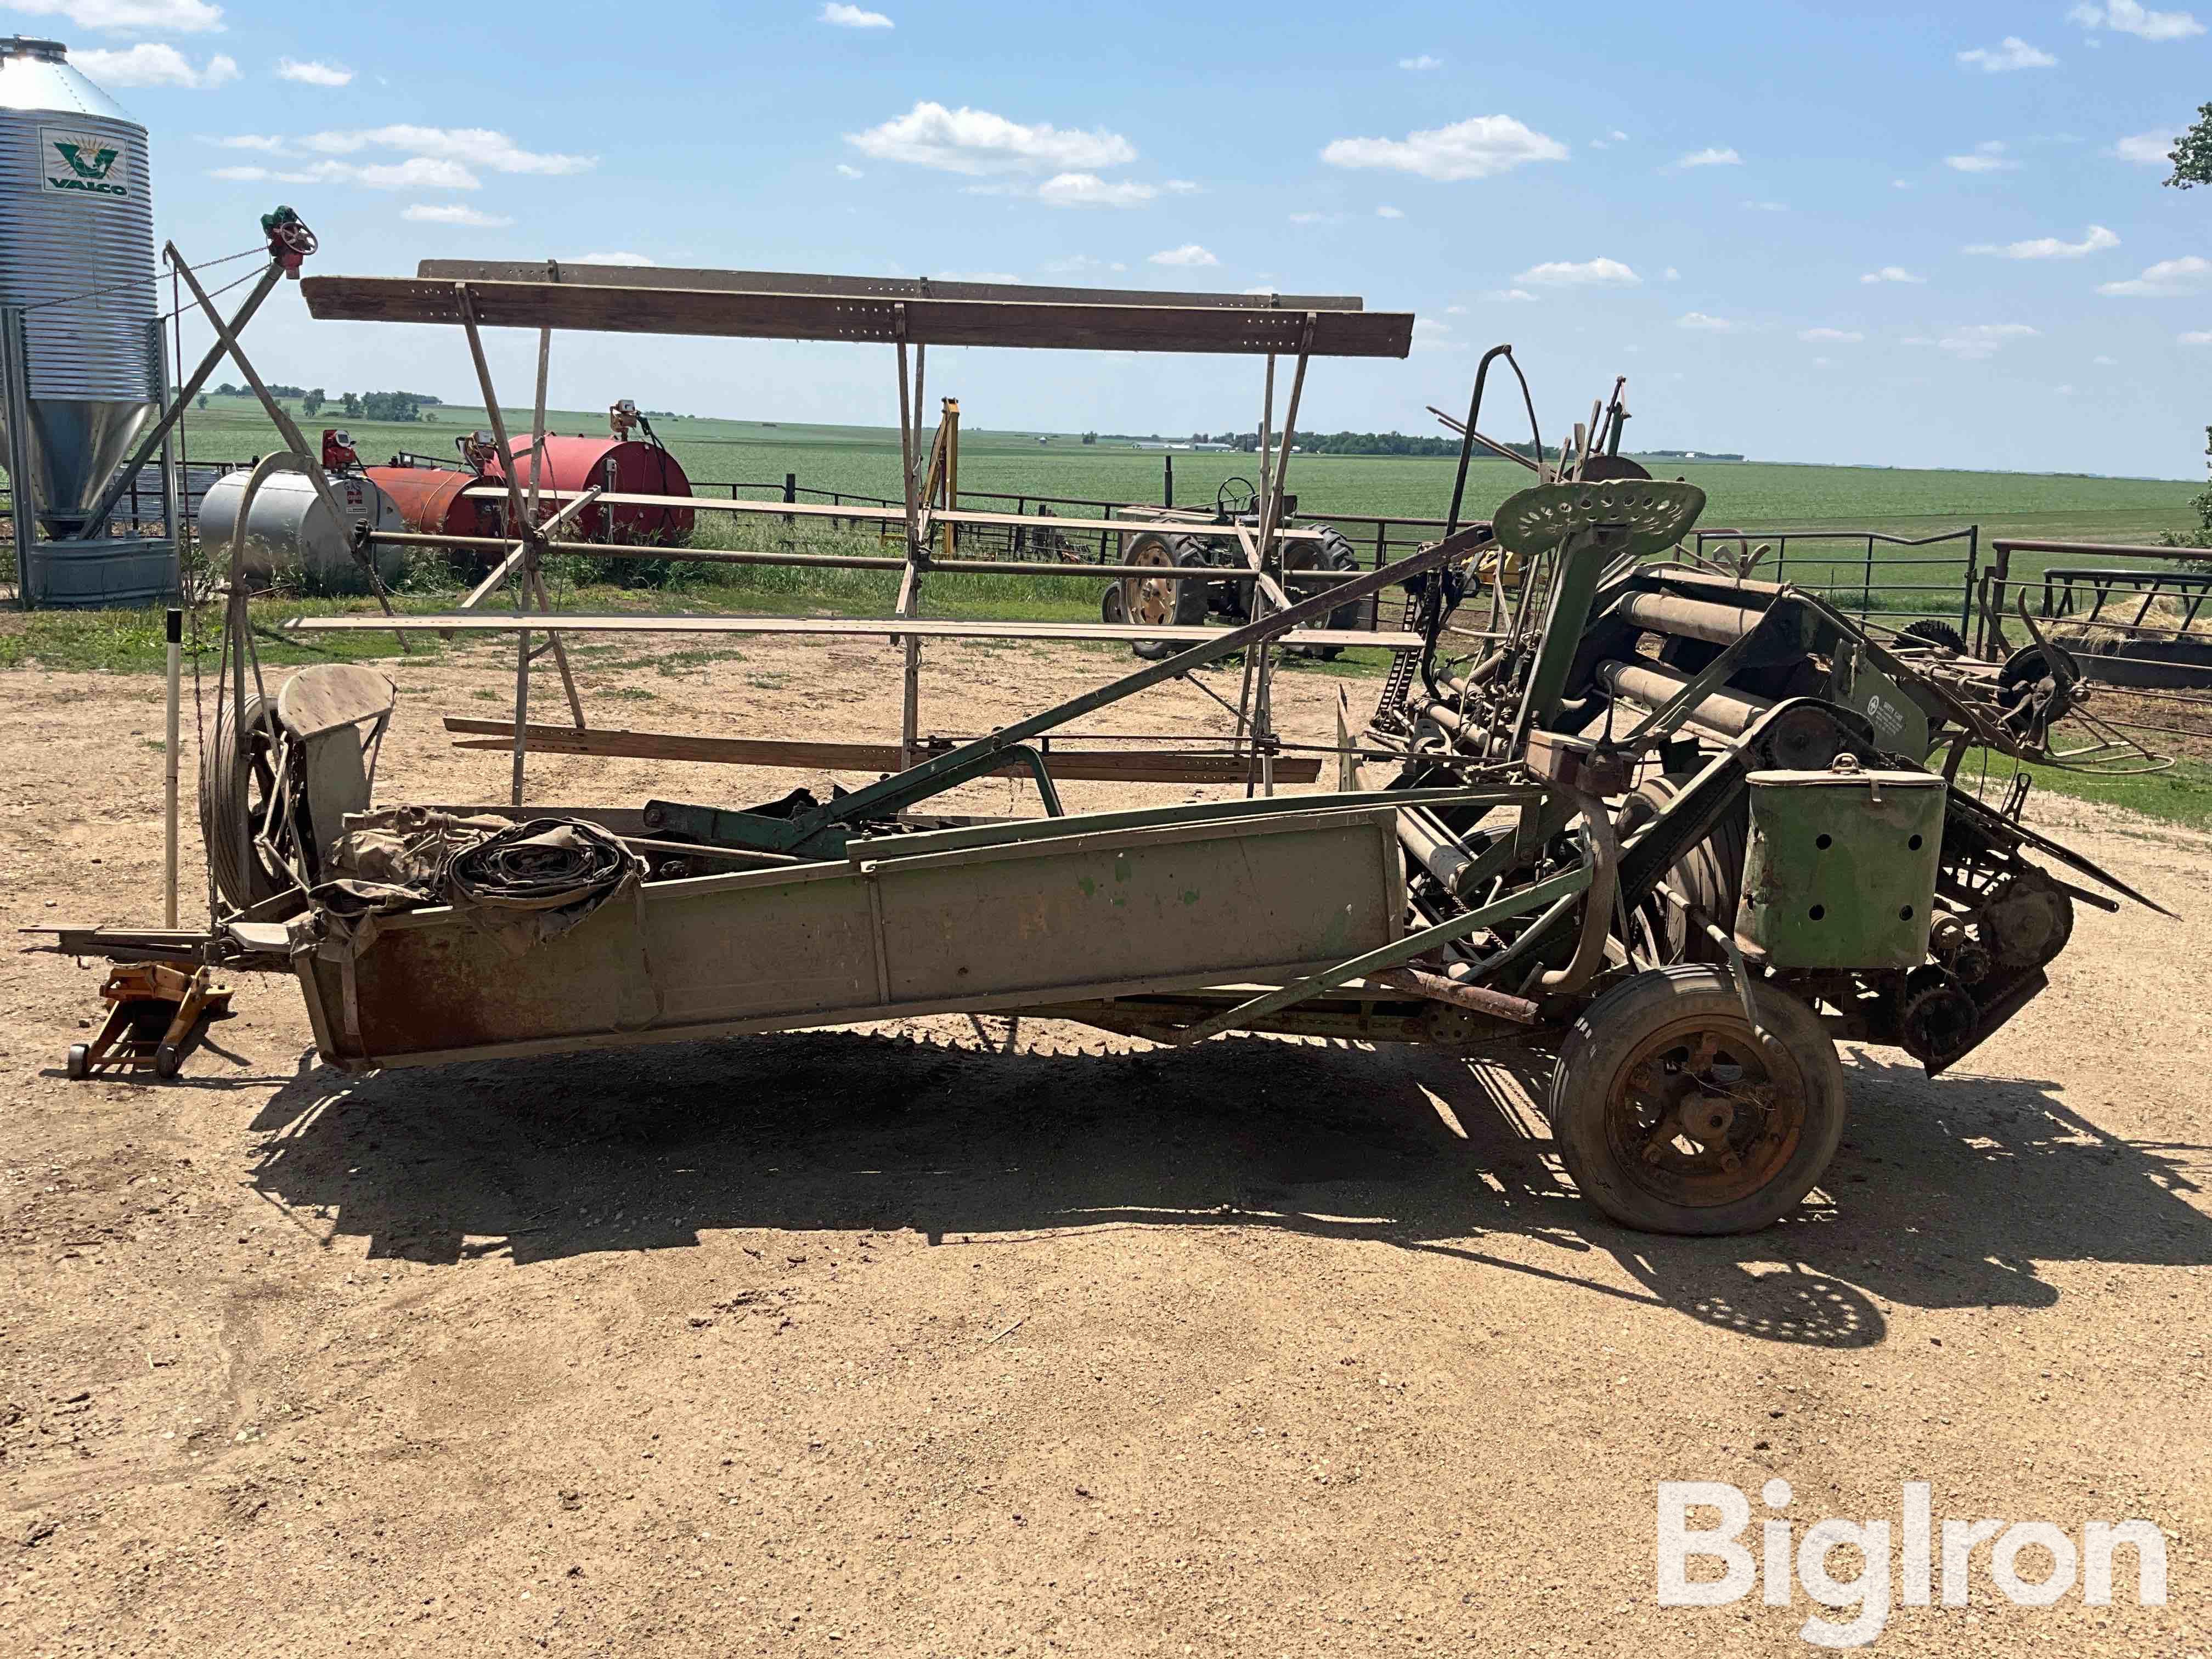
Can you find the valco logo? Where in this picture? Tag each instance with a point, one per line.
(83, 162)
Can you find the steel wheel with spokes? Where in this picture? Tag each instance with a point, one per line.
(1673, 1116)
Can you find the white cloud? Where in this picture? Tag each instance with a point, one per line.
(1390, 213)
(454, 214)
(853, 17)
(1190, 254)
(1088, 190)
(2150, 149)
(2106, 362)
(472, 147)
(1510, 296)
(2165, 280)
(1670, 275)
(1829, 335)
(313, 73)
(1988, 157)
(2194, 337)
(1892, 273)
(976, 277)
(1430, 335)
(2130, 18)
(1900, 184)
(240, 175)
(1313, 218)
(1424, 62)
(129, 16)
(1977, 340)
(2050, 247)
(268, 143)
(1560, 273)
(606, 259)
(1261, 288)
(974, 142)
(151, 64)
(847, 170)
(1709, 158)
(1768, 207)
(1479, 147)
(2015, 54)
(1454, 311)
(1699, 320)
(1185, 186)
(416, 173)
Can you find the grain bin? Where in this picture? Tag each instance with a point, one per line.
(76, 253)
(620, 467)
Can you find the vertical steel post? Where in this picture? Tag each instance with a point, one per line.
(910, 596)
(1973, 570)
(175, 624)
(16, 393)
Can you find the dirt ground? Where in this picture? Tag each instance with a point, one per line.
(916, 1340)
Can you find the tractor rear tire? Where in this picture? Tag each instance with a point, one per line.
(1331, 552)
(1754, 1121)
(1161, 600)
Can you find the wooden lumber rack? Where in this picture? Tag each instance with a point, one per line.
(909, 315)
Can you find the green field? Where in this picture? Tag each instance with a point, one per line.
(1748, 494)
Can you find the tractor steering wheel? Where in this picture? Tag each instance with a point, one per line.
(1221, 498)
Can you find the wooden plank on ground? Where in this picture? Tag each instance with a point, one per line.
(1046, 325)
(1068, 765)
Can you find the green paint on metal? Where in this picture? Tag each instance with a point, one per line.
(1120, 866)
(1841, 868)
(1190, 896)
(1403, 950)
(1089, 887)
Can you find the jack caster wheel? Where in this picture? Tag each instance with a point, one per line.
(168, 1061)
(1672, 1117)
(80, 1061)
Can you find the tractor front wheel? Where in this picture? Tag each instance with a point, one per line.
(1674, 1116)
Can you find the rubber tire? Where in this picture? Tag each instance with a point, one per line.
(168, 1061)
(219, 830)
(79, 1063)
(1608, 1031)
(1710, 874)
(1332, 552)
(1189, 553)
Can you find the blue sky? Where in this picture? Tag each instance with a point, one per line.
(1849, 233)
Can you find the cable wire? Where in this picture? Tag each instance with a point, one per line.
(148, 281)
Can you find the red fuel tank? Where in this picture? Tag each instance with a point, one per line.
(620, 467)
(430, 499)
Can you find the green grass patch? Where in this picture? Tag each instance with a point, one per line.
(2182, 795)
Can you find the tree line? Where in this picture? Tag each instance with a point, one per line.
(355, 405)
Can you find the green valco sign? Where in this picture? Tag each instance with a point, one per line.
(82, 163)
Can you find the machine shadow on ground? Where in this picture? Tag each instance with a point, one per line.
(1945, 1194)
